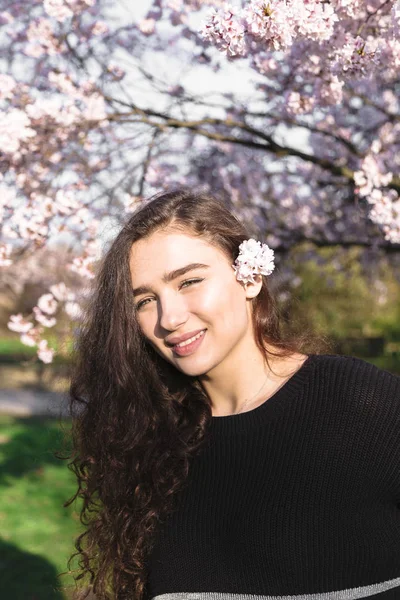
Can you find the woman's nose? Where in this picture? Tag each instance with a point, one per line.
(173, 312)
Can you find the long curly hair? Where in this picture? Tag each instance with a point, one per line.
(136, 420)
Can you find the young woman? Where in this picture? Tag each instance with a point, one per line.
(215, 458)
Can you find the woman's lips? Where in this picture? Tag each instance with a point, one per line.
(189, 348)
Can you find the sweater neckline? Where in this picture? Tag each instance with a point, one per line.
(269, 410)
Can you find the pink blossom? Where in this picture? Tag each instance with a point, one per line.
(9, 232)
(47, 303)
(271, 22)
(14, 129)
(376, 146)
(392, 231)
(225, 29)
(100, 28)
(370, 176)
(7, 198)
(73, 310)
(65, 113)
(175, 5)
(7, 85)
(58, 9)
(65, 202)
(30, 224)
(83, 266)
(19, 324)
(364, 186)
(34, 50)
(330, 92)
(29, 339)
(55, 158)
(63, 82)
(42, 38)
(116, 71)
(265, 64)
(81, 217)
(60, 291)
(315, 20)
(5, 253)
(43, 319)
(297, 104)
(95, 108)
(45, 353)
(386, 212)
(356, 57)
(147, 26)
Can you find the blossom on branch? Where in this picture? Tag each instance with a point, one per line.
(58, 9)
(45, 353)
(14, 129)
(47, 304)
(19, 324)
(5, 253)
(225, 30)
(43, 319)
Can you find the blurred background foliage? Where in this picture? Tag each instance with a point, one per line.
(342, 299)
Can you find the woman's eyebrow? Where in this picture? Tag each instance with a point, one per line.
(167, 277)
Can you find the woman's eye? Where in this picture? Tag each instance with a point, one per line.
(141, 303)
(188, 281)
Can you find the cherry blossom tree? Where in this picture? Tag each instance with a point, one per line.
(96, 114)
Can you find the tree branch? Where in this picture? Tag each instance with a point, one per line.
(270, 145)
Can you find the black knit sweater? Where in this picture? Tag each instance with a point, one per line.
(297, 499)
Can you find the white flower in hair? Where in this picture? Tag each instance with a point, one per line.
(253, 259)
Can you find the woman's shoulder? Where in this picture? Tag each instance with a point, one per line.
(345, 361)
(351, 372)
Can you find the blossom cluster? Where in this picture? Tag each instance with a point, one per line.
(275, 24)
(64, 9)
(43, 314)
(253, 259)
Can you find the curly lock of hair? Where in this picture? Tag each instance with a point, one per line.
(136, 420)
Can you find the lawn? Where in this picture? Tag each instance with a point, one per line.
(37, 532)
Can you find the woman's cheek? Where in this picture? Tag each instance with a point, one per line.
(209, 298)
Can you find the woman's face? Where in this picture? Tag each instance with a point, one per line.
(205, 298)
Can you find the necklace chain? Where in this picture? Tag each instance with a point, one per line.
(249, 399)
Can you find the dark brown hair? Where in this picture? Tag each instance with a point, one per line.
(137, 420)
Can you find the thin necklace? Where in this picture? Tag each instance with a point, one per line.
(248, 400)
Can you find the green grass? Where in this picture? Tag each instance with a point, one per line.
(36, 532)
(15, 346)
(13, 350)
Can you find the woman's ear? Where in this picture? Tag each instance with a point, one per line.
(253, 289)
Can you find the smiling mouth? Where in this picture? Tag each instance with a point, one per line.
(190, 340)
(188, 347)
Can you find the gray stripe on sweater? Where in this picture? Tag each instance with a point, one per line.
(348, 594)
